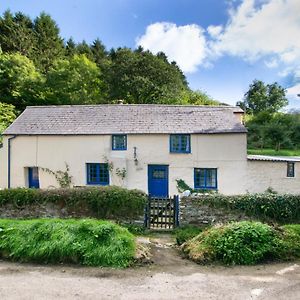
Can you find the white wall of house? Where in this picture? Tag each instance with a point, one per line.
(226, 152)
(272, 174)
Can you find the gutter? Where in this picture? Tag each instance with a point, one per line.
(9, 160)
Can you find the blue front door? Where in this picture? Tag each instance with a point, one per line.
(158, 182)
(33, 178)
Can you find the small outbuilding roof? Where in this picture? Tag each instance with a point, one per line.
(129, 119)
(274, 158)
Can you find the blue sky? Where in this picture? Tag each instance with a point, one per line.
(221, 45)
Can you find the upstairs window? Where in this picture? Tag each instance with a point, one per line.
(180, 143)
(205, 178)
(119, 142)
(290, 169)
(97, 174)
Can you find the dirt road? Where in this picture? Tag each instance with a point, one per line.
(170, 277)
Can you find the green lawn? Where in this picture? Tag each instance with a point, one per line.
(273, 152)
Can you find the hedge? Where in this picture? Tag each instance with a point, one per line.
(108, 202)
(87, 242)
(281, 208)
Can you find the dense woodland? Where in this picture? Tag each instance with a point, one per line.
(38, 67)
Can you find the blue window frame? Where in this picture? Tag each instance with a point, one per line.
(97, 173)
(205, 178)
(119, 142)
(180, 143)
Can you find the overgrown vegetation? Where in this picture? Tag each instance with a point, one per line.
(281, 208)
(290, 246)
(109, 202)
(87, 242)
(244, 243)
(183, 234)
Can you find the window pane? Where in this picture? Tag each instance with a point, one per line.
(119, 142)
(175, 143)
(211, 178)
(35, 173)
(290, 169)
(93, 174)
(158, 174)
(199, 178)
(184, 143)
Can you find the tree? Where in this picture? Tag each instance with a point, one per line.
(70, 47)
(141, 77)
(18, 80)
(277, 136)
(16, 33)
(99, 52)
(200, 98)
(84, 48)
(7, 115)
(74, 81)
(49, 45)
(263, 98)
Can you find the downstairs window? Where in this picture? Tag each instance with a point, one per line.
(205, 178)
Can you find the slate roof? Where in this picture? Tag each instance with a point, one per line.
(274, 158)
(129, 119)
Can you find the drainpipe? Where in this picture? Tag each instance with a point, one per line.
(9, 159)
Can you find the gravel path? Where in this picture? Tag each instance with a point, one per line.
(169, 277)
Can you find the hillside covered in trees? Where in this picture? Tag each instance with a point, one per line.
(37, 67)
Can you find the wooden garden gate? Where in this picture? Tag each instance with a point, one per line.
(162, 213)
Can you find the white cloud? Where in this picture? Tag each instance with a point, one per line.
(214, 31)
(294, 90)
(184, 44)
(266, 30)
(260, 28)
(271, 63)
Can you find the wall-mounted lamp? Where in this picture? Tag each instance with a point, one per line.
(135, 156)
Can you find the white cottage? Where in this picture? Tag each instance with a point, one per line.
(147, 147)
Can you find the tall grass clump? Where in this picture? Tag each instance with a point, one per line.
(240, 243)
(87, 242)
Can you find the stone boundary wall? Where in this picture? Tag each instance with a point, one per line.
(193, 212)
(50, 210)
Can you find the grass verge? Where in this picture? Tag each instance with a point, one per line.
(87, 242)
(273, 152)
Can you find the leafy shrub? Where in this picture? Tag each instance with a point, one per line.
(101, 202)
(183, 234)
(289, 247)
(236, 243)
(266, 207)
(87, 242)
